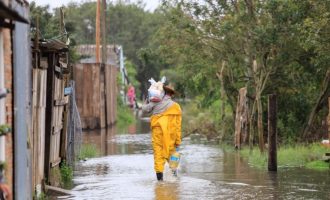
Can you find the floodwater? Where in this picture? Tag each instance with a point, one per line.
(125, 171)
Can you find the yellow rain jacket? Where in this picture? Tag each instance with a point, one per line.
(166, 134)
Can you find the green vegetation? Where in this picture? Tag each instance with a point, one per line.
(42, 196)
(205, 121)
(66, 175)
(287, 156)
(132, 73)
(88, 151)
(2, 166)
(128, 25)
(318, 165)
(4, 129)
(255, 158)
(125, 115)
(211, 49)
(217, 47)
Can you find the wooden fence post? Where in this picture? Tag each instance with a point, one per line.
(272, 133)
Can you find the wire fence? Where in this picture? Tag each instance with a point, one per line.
(74, 129)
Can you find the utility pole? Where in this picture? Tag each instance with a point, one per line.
(61, 21)
(97, 33)
(104, 39)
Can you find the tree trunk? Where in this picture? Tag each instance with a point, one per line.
(223, 105)
(251, 124)
(325, 87)
(260, 124)
(220, 76)
(260, 81)
(241, 119)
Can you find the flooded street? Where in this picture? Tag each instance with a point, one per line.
(125, 171)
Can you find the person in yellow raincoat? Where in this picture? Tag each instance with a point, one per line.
(165, 123)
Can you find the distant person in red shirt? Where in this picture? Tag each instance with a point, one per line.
(131, 95)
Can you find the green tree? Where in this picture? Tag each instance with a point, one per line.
(255, 44)
(128, 25)
(48, 23)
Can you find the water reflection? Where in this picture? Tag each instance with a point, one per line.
(99, 138)
(111, 141)
(125, 171)
(166, 191)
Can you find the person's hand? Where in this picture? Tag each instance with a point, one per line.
(4, 190)
(177, 148)
(146, 101)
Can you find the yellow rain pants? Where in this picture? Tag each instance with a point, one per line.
(166, 134)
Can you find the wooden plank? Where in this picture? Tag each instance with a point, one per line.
(107, 90)
(42, 119)
(102, 99)
(111, 93)
(39, 96)
(114, 94)
(88, 94)
(43, 88)
(58, 146)
(96, 90)
(87, 84)
(49, 109)
(43, 63)
(55, 191)
(58, 119)
(35, 59)
(57, 129)
(61, 102)
(41, 144)
(64, 138)
(56, 162)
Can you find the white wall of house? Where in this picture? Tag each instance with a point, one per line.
(2, 101)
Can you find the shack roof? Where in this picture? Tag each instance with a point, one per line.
(51, 45)
(87, 52)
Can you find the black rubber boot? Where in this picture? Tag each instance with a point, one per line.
(175, 172)
(159, 176)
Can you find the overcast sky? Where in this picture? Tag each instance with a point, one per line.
(150, 4)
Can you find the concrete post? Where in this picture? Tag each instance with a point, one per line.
(22, 106)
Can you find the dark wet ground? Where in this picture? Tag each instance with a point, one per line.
(125, 171)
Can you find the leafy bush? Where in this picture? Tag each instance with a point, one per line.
(125, 115)
(66, 175)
